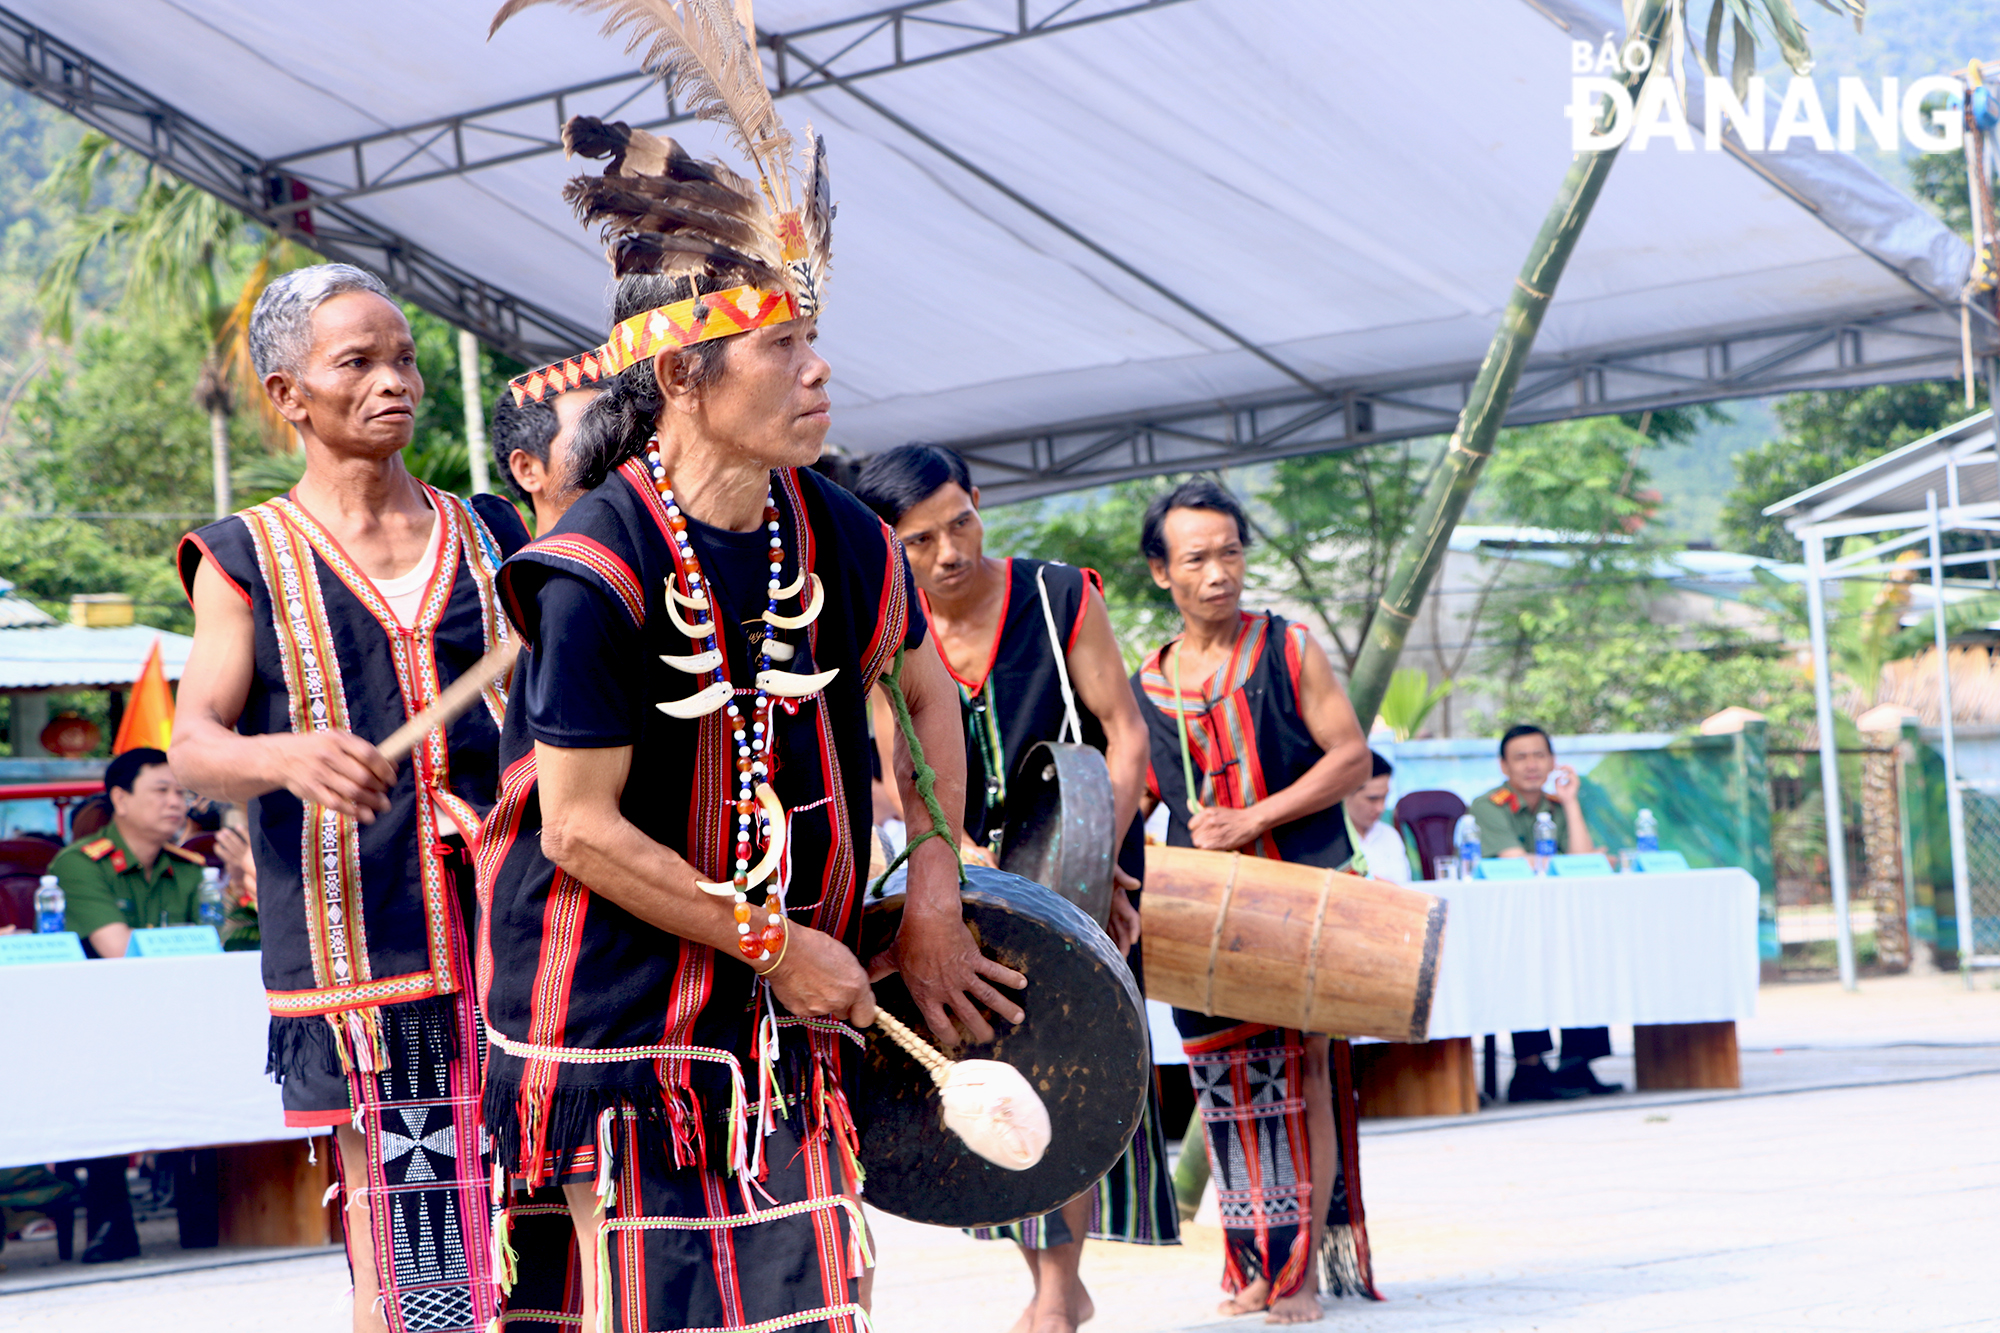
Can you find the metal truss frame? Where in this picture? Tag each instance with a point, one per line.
(1915, 341)
(312, 197)
(60, 74)
(825, 55)
(309, 196)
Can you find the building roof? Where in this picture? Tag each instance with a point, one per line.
(1957, 464)
(57, 656)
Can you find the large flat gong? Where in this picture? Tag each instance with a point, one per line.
(1083, 1046)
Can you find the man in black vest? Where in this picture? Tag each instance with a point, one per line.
(1254, 746)
(1030, 646)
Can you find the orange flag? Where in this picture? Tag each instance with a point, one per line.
(149, 714)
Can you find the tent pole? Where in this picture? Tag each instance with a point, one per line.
(1954, 799)
(1829, 753)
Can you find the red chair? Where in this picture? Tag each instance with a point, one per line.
(23, 862)
(1431, 817)
(204, 845)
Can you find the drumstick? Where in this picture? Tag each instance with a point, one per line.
(994, 1110)
(452, 702)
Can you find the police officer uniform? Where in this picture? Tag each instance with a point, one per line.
(103, 883)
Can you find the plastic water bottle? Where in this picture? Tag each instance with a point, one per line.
(208, 900)
(1545, 840)
(49, 906)
(1646, 832)
(1466, 838)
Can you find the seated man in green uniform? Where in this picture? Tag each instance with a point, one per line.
(1506, 818)
(135, 874)
(131, 875)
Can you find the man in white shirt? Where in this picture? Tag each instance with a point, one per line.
(1376, 839)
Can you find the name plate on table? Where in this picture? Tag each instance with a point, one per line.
(1505, 867)
(1658, 862)
(1580, 863)
(174, 942)
(61, 946)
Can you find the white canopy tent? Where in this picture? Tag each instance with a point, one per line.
(1946, 482)
(1081, 239)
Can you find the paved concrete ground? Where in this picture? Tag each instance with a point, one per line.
(1872, 1205)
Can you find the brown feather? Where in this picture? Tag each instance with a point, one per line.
(607, 201)
(653, 252)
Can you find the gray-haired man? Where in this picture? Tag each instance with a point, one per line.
(323, 619)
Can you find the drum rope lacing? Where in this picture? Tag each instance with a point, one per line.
(1312, 952)
(1215, 935)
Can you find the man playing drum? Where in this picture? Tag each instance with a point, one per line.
(1254, 746)
(323, 620)
(673, 872)
(1030, 645)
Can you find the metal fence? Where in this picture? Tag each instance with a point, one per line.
(1982, 865)
(1873, 840)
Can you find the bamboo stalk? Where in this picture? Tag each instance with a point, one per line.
(1444, 500)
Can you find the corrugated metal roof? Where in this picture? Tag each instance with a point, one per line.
(1958, 463)
(16, 612)
(72, 657)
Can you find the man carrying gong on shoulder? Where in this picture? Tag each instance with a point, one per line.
(1030, 647)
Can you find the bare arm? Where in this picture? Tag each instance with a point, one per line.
(883, 720)
(936, 954)
(587, 835)
(332, 768)
(1097, 671)
(1338, 773)
(111, 941)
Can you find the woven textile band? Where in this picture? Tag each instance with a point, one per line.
(643, 337)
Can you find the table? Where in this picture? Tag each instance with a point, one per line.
(149, 1054)
(1675, 955)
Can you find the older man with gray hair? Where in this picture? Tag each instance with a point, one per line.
(323, 619)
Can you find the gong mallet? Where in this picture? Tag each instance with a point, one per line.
(452, 702)
(987, 1103)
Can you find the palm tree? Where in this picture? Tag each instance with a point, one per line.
(182, 253)
(1660, 28)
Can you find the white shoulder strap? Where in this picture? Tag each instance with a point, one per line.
(1072, 729)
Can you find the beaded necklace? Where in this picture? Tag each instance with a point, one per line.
(755, 747)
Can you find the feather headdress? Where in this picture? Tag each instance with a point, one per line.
(661, 210)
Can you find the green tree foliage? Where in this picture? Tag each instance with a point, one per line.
(1096, 530)
(1825, 434)
(1326, 526)
(1580, 683)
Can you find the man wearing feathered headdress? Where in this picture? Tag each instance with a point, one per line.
(672, 875)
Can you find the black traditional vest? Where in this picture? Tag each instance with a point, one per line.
(358, 916)
(1245, 740)
(1017, 700)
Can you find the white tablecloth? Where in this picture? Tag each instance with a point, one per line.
(134, 1055)
(1596, 950)
(1522, 955)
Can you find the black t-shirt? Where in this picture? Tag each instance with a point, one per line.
(600, 645)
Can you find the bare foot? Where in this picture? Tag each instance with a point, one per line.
(1299, 1308)
(1251, 1300)
(1063, 1317)
(1026, 1323)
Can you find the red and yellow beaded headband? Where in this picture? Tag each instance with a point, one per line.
(644, 336)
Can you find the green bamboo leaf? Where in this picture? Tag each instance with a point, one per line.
(1711, 64)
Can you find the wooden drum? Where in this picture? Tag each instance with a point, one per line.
(1290, 945)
